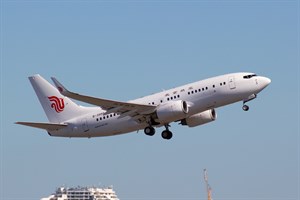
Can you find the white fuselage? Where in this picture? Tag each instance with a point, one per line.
(200, 96)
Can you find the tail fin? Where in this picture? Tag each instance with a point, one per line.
(57, 107)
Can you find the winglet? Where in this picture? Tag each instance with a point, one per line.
(60, 87)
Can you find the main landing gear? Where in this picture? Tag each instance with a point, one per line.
(149, 130)
(166, 134)
(251, 97)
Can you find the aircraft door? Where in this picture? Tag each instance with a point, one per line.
(84, 125)
(231, 82)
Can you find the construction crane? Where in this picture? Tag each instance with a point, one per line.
(208, 188)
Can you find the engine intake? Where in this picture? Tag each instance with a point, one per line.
(200, 118)
(171, 111)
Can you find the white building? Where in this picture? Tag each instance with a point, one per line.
(83, 193)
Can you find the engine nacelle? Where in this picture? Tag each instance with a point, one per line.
(171, 111)
(200, 118)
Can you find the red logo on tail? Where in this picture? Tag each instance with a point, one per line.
(57, 103)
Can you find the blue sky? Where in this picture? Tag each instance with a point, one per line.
(125, 50)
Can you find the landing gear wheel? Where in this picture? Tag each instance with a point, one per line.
(149, 130)
(166, 134)
(245, 107)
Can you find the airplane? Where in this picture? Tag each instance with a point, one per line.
(191, 105)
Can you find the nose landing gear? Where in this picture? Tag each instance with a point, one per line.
(251, 97)
(245, 107)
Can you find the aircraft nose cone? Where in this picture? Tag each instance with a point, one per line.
(265, 81)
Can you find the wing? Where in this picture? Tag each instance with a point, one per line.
(46, 126)
(137, 111)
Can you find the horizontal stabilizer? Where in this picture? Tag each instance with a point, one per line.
(46, 126)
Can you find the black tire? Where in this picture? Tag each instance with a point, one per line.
(149, 130)
(166, 134)
(245, 107)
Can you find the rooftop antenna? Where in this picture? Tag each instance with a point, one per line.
(208, 188)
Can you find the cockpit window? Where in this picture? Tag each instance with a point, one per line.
(249, 76)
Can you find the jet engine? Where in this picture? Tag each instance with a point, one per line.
(200, 118)
(171, 111)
